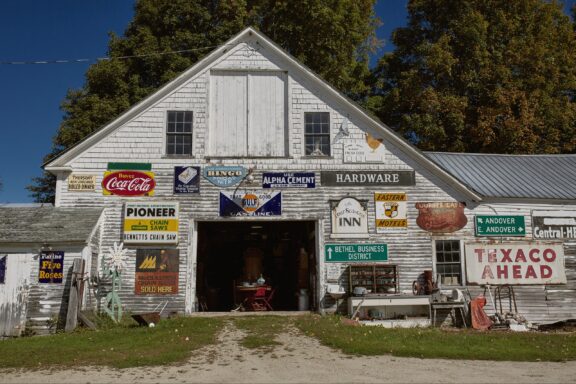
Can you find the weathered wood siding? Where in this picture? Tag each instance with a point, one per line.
(217, 139)
(14, 294)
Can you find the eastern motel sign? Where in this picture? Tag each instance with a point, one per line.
(151, 223)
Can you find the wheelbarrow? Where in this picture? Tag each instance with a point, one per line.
(149, 319)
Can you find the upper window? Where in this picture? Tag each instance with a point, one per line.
(179, 133)
(3, 269)
(317, 133)
(449, 262)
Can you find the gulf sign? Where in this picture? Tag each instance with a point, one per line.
(128, 183)
(515, 263)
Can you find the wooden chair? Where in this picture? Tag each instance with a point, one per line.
(260, 301)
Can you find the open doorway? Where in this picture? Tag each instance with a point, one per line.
(232, 256)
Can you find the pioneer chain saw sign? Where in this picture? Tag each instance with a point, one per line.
(518, 263)
(151, 223)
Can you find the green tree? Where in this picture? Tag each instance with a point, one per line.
(481, 76)
(332, 37)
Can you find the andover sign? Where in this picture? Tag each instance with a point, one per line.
(515, 263)
(500, 226)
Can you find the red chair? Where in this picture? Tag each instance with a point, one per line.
(260, 301)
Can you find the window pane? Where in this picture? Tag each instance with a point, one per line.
(317, 133)
(448, 264)
(179, 133)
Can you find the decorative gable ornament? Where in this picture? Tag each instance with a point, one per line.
(349, 218)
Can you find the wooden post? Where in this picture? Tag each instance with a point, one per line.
(74, 298)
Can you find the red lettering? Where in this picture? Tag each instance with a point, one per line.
(549, 255)
(506, 253)
(531, 254)
(516, 273)
(479, 253)
(520, 256)
(487, 273)
(530, 272)
(502, 271)
(492, 256)
(545, 271)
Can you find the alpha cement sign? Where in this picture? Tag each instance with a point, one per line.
(515, 263)
(554, 224)
(151, 223)
(367, 178)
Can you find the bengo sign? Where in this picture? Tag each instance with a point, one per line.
(128, 183)
(515, 263)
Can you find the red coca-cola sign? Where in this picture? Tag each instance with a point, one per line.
(128, 183)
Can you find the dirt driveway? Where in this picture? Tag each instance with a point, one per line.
(300, 359)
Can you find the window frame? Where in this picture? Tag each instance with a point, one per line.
(168, 134)
(462, 264)
(313, 134)
(3, 268)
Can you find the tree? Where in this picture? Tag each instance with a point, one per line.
(481, 76)
(332, 37)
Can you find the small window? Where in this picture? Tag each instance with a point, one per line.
(317, 133)
(179, 133)
(449, 262)
(3, 269)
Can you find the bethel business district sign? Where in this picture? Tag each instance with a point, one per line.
(345, 253)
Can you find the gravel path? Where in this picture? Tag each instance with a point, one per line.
(302, 359)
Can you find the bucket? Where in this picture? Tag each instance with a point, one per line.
(303, 304)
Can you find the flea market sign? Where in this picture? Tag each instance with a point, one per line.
(515, 263)
(344, 253)
(500, 226)
(151, 223)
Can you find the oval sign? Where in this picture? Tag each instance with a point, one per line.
(128, 183)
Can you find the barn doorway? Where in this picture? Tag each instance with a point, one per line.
(232, 256)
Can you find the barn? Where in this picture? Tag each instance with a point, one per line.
(250, 171)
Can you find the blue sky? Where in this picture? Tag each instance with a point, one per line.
(30, 95)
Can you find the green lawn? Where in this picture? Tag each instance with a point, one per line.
(117, 346)
(437, 343)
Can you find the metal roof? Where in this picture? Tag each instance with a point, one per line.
(513, 176)
(46, 224)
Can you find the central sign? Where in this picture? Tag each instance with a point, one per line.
(222, 176)
(346, 253)
(500, 226)
(151, 223)
(367, 178)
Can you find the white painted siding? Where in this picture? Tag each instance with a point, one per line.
(14, 294)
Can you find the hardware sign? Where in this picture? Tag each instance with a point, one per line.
(224, 177)
(500, 226)
(186, 180)
(128, 183)
(367, 178)
(288, 180)
(346, 253)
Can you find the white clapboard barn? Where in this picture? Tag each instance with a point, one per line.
(248, 165)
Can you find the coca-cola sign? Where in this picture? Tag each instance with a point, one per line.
(128, 183)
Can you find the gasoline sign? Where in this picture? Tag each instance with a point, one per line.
(250, 203)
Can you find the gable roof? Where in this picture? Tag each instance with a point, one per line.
(47, 224)
(249, 34)
(513, 176)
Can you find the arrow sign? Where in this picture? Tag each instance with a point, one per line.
(363, 253)
(501, 226)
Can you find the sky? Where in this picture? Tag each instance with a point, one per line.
(30, 95)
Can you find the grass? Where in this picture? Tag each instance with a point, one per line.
(437, 343)
(261, 331)
(119, 346)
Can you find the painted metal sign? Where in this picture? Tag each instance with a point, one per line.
(186, 180)
(51, 269)
(554, 224)
(346, 253)
(81, 183)
(515, 263)
(250, 203)
(128, 179)
(151, 223)
(367, 178)
(349, 218)
(366, 150)
(156, 272)
(288, 180)
(441, 217)
(487, 225)
(391, 211)
(222, 176)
